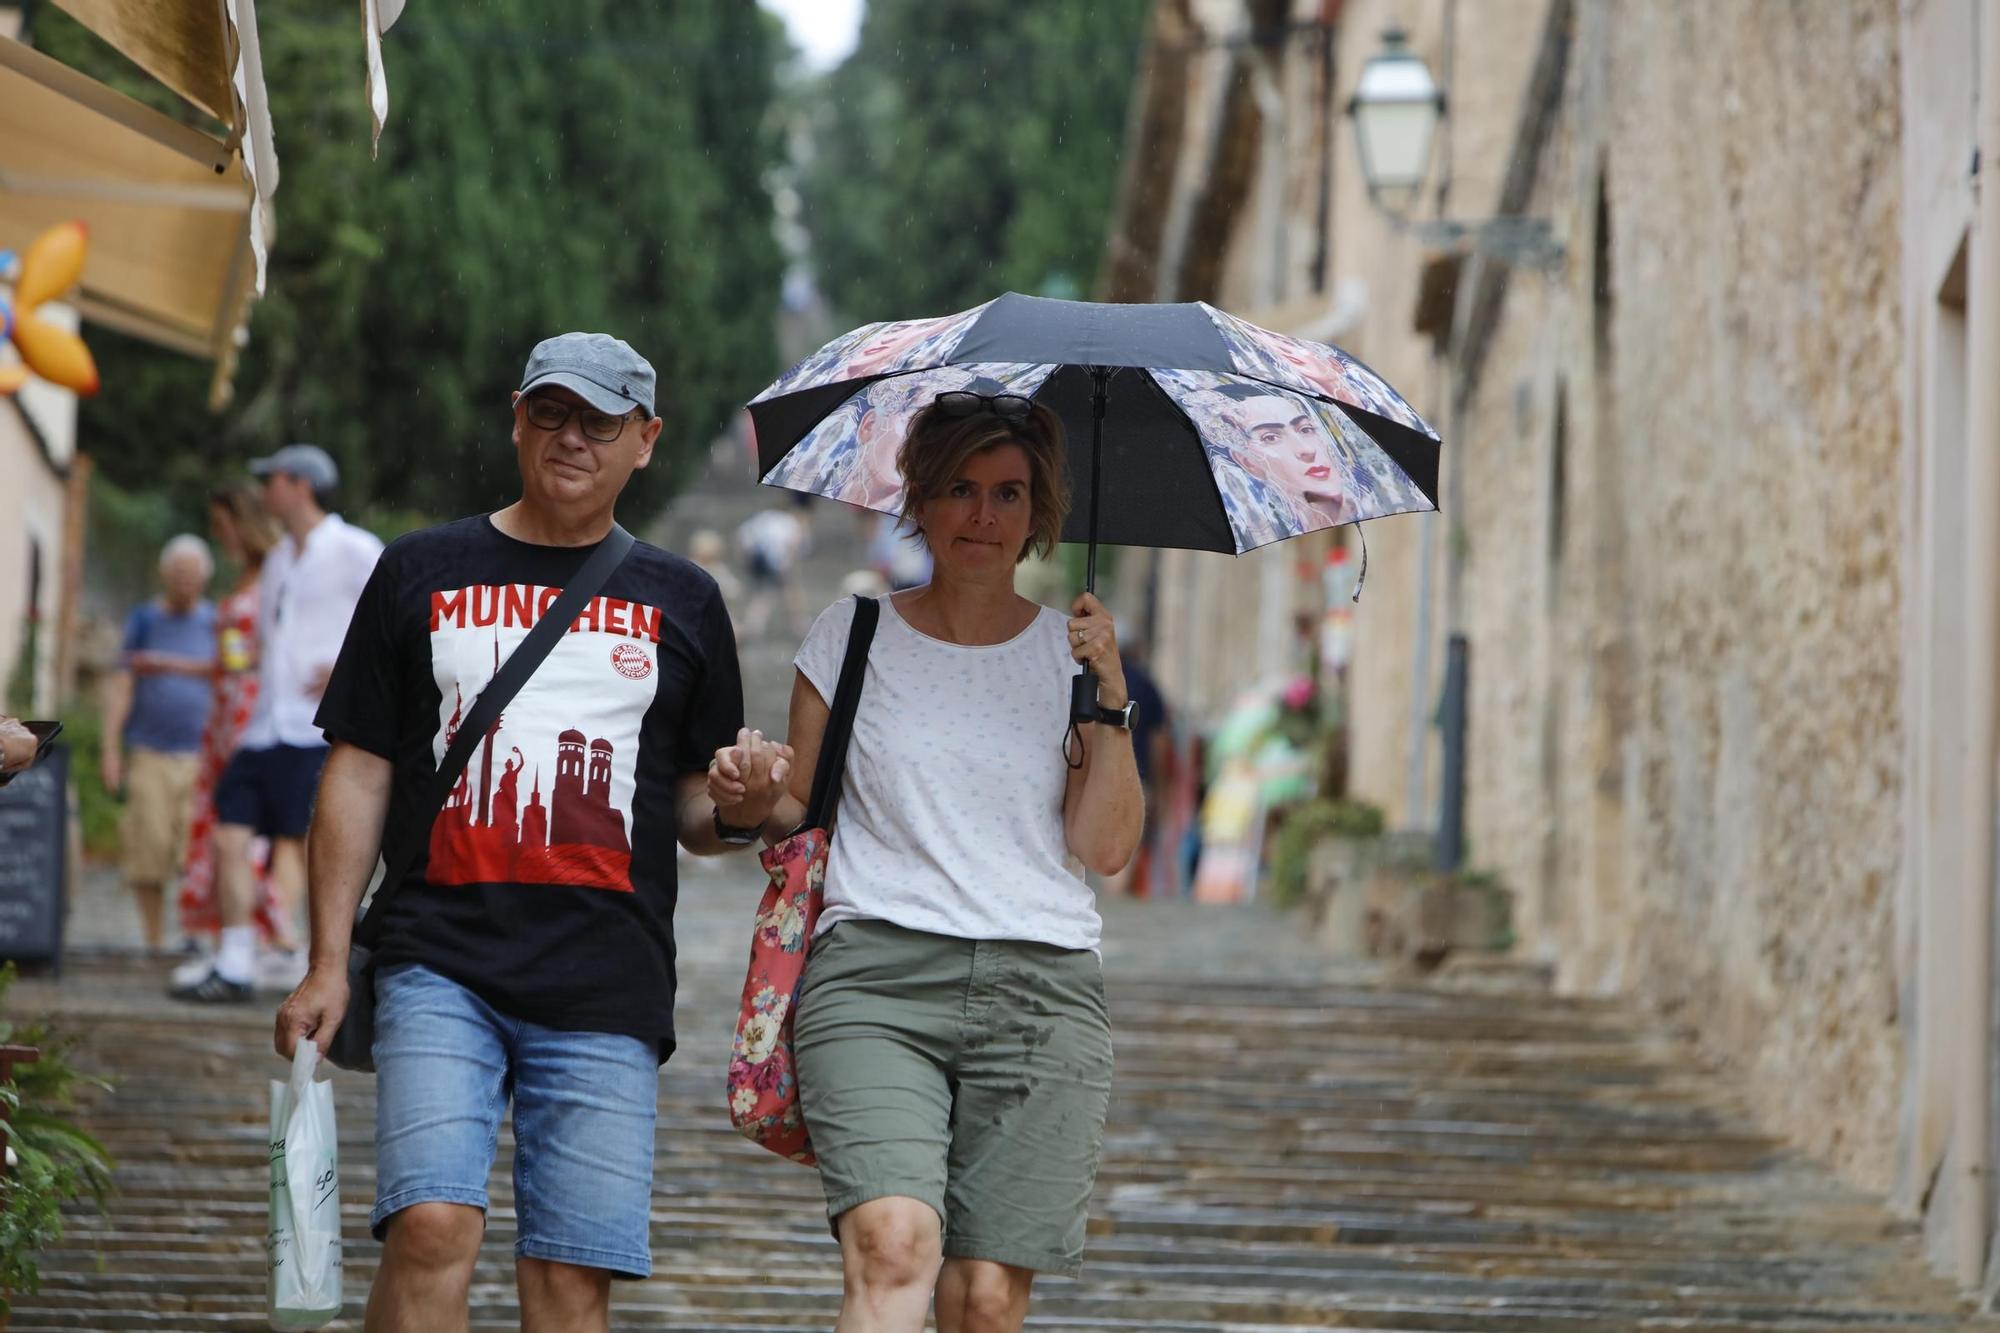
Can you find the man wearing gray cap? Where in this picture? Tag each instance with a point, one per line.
(529, 950)
(311, 581)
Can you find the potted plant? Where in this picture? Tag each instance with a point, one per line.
(49, 1161)
(1322, 843)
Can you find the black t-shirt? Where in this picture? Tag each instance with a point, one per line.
(548, 882)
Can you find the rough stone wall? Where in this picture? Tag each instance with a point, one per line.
(1686, 728)
(1494, 44)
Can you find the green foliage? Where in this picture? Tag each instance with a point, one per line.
(99, 807)
(58, 1162)
(591, 165)
(126, 530)
(1304, 829)
(968, 149)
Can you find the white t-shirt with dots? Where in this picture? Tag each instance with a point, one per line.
(950, 814)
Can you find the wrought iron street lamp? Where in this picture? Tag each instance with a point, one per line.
(1396, 108)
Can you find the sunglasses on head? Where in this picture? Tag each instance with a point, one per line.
(963, 403)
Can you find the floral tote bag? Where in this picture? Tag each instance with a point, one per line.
(763, 1079)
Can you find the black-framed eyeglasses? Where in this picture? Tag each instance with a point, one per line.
(964, 402)
(547, 412)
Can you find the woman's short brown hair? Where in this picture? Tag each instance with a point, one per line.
(938, 445)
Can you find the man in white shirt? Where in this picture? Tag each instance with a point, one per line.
(311, 582)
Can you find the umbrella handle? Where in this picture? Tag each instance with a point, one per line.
(1083, 706)
(1083, 710)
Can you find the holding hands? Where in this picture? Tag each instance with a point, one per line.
(1093, 641)
(748, 779)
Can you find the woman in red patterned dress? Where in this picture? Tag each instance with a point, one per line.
(245, 534)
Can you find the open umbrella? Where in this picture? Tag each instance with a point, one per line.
(1205, 432)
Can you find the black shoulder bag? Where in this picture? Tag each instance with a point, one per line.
(353, 1045)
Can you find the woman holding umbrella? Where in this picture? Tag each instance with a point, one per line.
(953, 1049)
(949, 1036)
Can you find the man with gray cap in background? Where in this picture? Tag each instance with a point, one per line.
(312, 580)
(529, 949)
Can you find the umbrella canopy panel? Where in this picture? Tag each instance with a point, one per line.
(1092, 333)
(1214, 434)
(1156, 478)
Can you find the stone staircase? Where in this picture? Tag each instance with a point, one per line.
(719, 500)
(1293, 1144)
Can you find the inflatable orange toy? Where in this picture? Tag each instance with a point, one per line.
(50, 267)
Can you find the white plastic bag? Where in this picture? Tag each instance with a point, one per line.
(304, 1240)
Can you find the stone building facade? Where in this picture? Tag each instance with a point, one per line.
(1697, 467)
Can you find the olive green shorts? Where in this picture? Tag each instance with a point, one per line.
(970, 1074)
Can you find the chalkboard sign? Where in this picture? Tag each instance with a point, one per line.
(34, 842)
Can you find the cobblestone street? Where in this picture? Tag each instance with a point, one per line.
(1293, 1144)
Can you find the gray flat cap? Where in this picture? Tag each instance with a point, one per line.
(308, 462)
(602, 370)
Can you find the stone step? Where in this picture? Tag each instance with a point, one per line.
(1305, 1150)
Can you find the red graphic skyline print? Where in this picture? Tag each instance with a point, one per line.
(572, 733)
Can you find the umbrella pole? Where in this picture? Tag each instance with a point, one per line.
(1083, 690)
(1100, 377)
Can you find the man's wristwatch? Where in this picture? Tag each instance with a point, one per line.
(731, 836)
(1119, 717)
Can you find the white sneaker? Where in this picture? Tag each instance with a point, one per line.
(193, 970)
(280, 969)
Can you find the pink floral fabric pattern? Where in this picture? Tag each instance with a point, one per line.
(886, 348)
(850, 456)
(763, 1081)
(1320, 369)
(1286, 462)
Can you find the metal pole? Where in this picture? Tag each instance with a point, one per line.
(1100, 377)
(1420, 676)
(1449, 843)
(1083, 690)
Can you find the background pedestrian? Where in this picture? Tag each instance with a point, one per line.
(311, 581)
(245, 534)
(155, 707)
(771, 540)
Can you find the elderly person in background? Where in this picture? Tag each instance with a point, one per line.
(954, 1054)
(155, 708)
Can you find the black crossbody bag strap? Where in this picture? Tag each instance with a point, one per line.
(499, 692)
(840, 725)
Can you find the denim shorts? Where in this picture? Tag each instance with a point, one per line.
(584, 1107)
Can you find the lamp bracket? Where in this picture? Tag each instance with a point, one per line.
(1524, 242)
